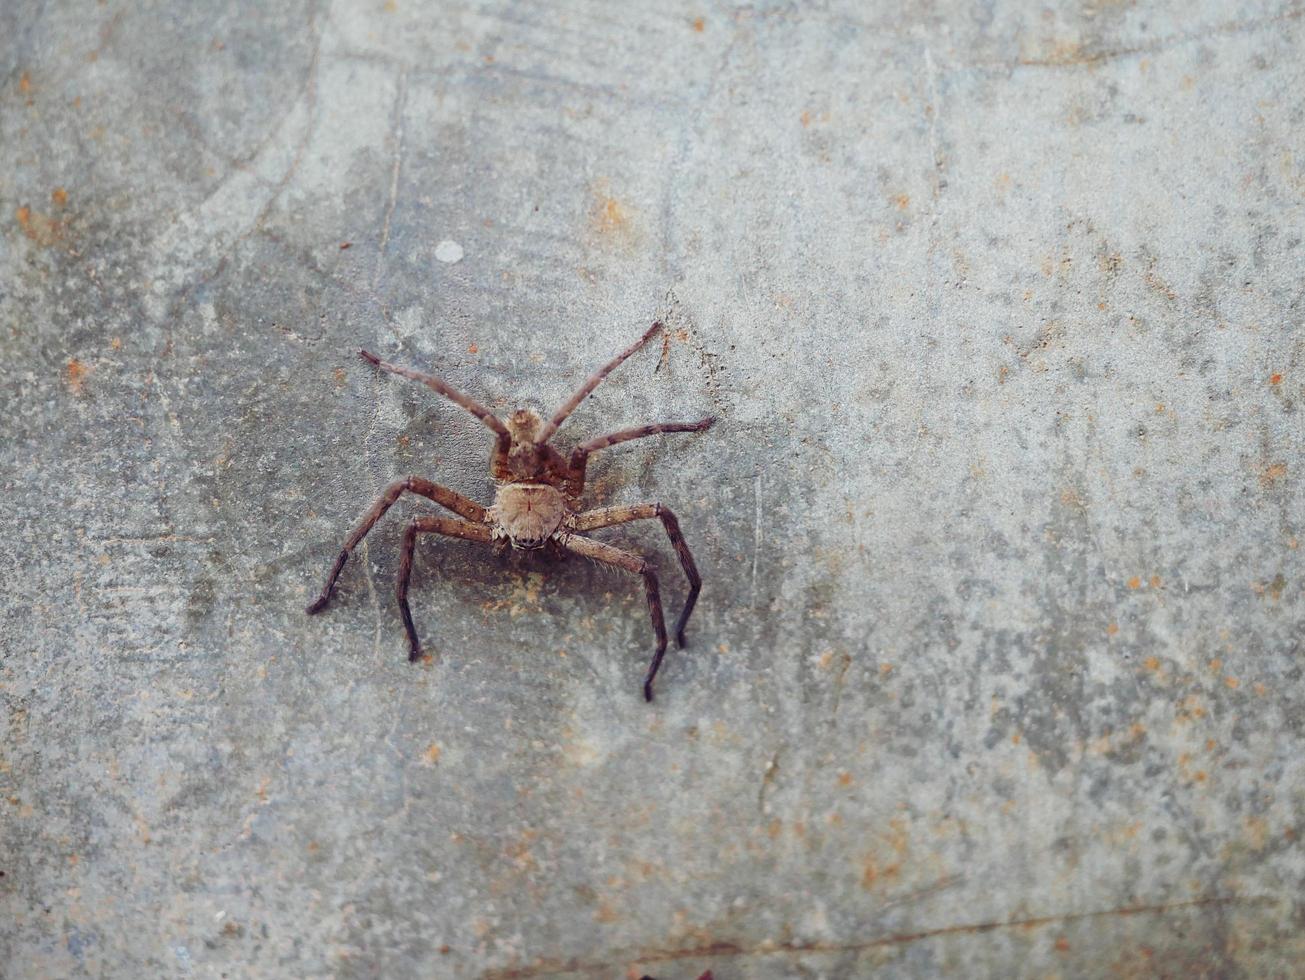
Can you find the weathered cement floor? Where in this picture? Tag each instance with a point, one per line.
(997, 670)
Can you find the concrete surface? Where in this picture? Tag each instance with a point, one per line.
(997, 670)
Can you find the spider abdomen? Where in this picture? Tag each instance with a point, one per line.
(527, 514)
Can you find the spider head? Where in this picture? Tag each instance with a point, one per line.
(524, 454)
(524, 425)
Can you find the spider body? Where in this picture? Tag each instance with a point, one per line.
(537, 502)
(528, 514)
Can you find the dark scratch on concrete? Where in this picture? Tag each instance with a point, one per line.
(396, 131)
(838, 684)
(767, 780)
(614, 965)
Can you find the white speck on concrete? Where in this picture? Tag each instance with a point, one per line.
(448, 251)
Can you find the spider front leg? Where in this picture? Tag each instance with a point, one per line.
(580, 455)
(443, 496)
(608, 555)
(608, 516)
(428, 525)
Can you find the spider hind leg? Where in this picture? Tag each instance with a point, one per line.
(608, 555)
(449, 527)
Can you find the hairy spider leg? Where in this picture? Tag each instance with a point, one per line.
(580, 455)
(450, 499)
(594, 381)
(608, 555)
(443, 388)
(448, 526)
(609, 516)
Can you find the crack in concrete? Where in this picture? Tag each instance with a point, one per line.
(396, 131)
(616, 963)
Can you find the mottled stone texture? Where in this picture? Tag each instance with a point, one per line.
(997, 669)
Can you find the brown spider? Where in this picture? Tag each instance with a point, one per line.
(537, 501)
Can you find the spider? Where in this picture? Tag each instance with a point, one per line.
(537, 502)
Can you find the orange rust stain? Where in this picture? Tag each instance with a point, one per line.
(806, 118)
(40, 228)
(1275, 379)
(1232, 683)
(1189, 708)
(1112, 629)
(116, 343)
(872, 872)
(1273, 589)
(901, 201)
(1259, 689)
(25, 82)
(1257, 831)
(876, 867)
(699, 24)
(75, 373)
(774, 829)
(1160, 408)
(1272, 473)
(432, 754)
(59, 196)
(314, 847)
(1216, 665)
(473, 349)
(1155, 581)
(610, 218)
(844, 779)
(1063, 53)
(519, 851)
(339, 376)
(1134, 582)
(1062, 944)
(1015, 739)
(1151, 663)
(1160, 286)
(885, 670)
(605, 913)
(1200, 776)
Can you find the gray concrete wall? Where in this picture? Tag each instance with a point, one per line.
(997, 670)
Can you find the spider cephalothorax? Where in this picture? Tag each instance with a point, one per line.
(537, 501)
